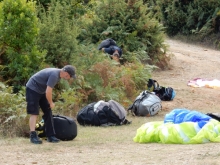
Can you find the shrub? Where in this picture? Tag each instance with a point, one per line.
(191, 17)
(58, 33)
(19, 56)
(131, 24)
(13, 120)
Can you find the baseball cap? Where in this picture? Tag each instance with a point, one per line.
(70, 70)
(116, 54)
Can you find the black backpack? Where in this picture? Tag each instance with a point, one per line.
(102, 114)
(164, 93)
(65, 128)
(87, 116)
(152, 85)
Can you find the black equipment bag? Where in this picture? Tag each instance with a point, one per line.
(87, 116)
(164, 93)
(65, 128)
(152, 85)
(102, 114)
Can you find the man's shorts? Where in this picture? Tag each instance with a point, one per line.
(35, 101)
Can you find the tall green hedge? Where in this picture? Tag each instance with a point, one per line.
(57, 34)
(19, 55)
(191, 16)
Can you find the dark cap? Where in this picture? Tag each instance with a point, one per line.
(70, 70)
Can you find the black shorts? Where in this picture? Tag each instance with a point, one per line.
(35, 101)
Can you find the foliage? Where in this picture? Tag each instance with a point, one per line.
(77, 5)
(155, 8)
(58, 33)
(45, 3)
(12, 111)
(69, 103)
(131, 24)
(100, 78)
(205, 16)
(109, 80)
(174, 15)
(187, 17)
(19, 56)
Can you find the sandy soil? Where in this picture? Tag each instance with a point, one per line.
(114, 145)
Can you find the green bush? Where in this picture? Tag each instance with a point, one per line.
(205, 14)
(77, 5)
(13, 120)
(191, 17)
(58, 33)
(174, 16)
(100, 78)
(131, 24)
(19, 55)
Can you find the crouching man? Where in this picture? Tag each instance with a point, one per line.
(39, 90)
(109, 46)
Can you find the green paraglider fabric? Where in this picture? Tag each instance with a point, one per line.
(182, 133)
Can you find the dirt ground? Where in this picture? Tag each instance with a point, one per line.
(114, 145)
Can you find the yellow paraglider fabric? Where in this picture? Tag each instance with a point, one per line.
(182, 133)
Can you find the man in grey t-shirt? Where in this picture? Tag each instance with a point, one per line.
(39, 90)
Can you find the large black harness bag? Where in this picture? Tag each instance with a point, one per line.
(87, 116)
(102, 113)
(65, 128)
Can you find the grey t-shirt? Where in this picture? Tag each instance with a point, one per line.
(46, 77)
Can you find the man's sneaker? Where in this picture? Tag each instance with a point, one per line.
(52, 139)
(34, 138)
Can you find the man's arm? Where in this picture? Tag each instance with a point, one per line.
(49, 96)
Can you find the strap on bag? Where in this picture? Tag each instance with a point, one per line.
(70, 120)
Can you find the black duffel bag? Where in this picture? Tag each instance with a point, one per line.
(102, 113)
(65, 128)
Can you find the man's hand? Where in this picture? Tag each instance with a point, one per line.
(49, 91)
(52, 105)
